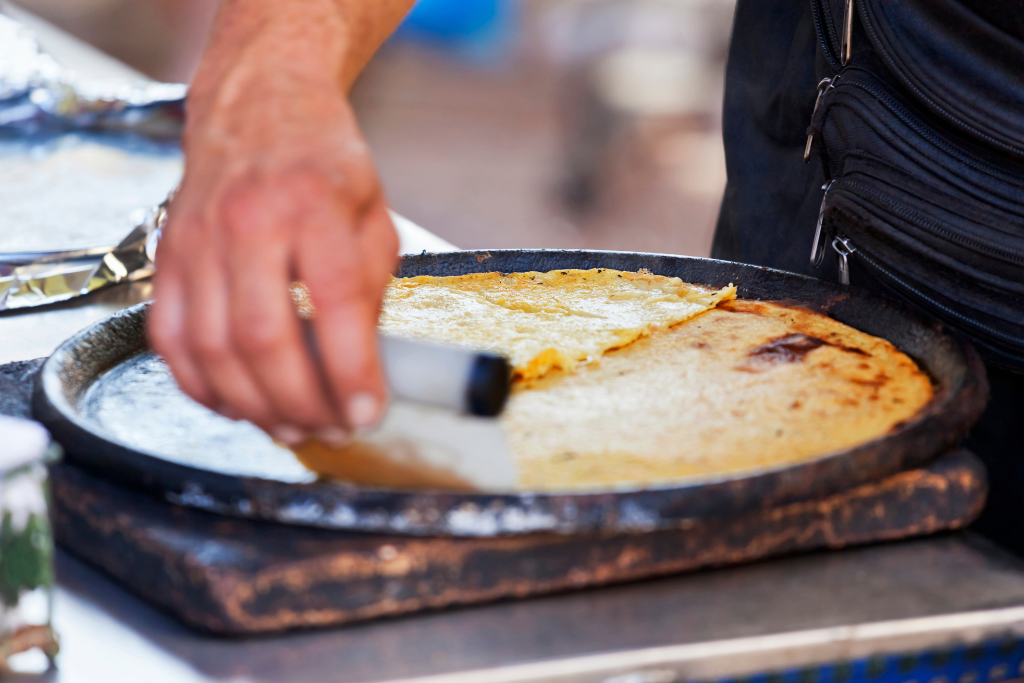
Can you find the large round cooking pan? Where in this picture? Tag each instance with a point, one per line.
(188, 458)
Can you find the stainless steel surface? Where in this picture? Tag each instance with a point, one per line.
(52, 280)
(745, 618)
(80, 191)
(35, 334)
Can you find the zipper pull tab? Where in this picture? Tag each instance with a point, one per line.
(818, 246)
(823, 86)
(844, 249)
(847, 44)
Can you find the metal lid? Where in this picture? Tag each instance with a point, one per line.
(21, 442)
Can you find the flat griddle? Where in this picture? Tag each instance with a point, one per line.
(106, 398)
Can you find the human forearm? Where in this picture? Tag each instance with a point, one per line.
(302, 42)
(278, 185)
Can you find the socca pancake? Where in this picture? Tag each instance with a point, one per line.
(668, 393)
(542, 321)
(747, 386)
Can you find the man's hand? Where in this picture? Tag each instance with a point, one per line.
(279, 186)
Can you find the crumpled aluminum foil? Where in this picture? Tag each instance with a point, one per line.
(36, 280)
(38, 94)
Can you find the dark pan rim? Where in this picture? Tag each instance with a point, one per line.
(937, 427)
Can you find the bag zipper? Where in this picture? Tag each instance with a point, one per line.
(876, 41)
(845, 42)
(846, 49)
(845, 39)
(849, 249)
(921, 220)
(824, 85)
(818, 246)
(898, 109)
(844, 250)
(826, 48)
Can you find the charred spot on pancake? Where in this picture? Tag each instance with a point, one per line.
(878, 381)
(790, 348)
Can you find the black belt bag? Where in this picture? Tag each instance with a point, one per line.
(920, 131)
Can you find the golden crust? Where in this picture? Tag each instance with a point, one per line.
(543, 321)
(614, 393)
(705, 399)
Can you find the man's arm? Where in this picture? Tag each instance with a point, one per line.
(279, 186)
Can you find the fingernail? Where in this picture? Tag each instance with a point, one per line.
(289, 435)
(362, 410)
(335, 437)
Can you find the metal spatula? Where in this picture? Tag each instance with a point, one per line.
(440, 426)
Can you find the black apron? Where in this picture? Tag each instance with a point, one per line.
(772, 199)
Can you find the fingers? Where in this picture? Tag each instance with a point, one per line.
(224, 319)
(186, 328)
(166, 331)
(343, 258)
(210, 346)
(264, 327)
(378, 241)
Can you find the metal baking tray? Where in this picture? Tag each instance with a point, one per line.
(113, 406)
(79, 191)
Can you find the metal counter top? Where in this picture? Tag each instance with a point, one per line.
(784, 613)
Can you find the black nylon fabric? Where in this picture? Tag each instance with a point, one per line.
(963, 59)
(981, 84)
(940, 216)
(772, 198)
(929, 199)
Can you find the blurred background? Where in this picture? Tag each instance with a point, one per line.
(511, 123)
